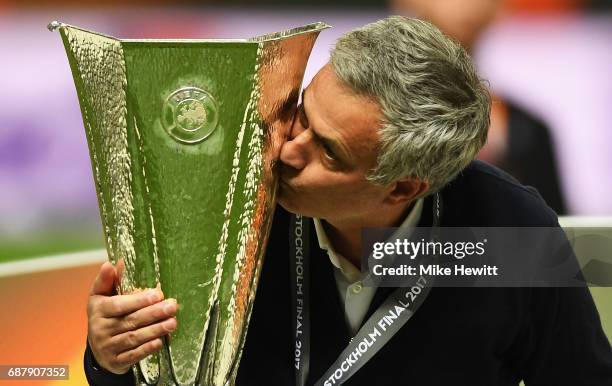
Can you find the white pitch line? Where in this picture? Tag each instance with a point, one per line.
(48, 263)
(585, 221)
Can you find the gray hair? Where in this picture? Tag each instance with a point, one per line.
(435, 108)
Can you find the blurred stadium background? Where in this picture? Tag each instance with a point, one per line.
(552, 57)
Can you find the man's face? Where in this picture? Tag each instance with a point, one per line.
(331, 149)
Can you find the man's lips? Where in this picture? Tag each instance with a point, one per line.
(283, 182)
(284, 173)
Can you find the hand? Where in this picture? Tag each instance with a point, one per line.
(123, 329)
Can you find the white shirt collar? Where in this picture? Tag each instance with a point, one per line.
(350, 272)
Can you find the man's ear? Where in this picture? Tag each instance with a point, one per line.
(406, 190)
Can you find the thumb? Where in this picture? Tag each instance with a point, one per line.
(105, 281)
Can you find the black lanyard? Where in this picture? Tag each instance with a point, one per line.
(396, 310)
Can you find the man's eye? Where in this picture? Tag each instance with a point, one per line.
(329, 153)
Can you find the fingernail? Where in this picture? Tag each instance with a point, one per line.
(169, 325)
(170, 306)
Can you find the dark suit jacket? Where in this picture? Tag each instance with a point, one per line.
(531, 157)
(459, 336)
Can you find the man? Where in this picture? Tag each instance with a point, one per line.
(389, 126)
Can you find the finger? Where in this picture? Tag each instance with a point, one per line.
(121, 305)
(132, 339)
(146, 316)
(131, 357)
(104, 282)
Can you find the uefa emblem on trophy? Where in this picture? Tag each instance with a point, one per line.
(183, 138)
(190, 114)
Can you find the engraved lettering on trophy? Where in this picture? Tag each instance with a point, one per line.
(190, 115)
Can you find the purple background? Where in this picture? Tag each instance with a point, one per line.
(557, 66)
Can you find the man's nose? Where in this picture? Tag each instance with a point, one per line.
(296, 151)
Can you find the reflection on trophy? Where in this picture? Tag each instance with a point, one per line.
(183, 138)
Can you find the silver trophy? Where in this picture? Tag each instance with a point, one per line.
(183, 138)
